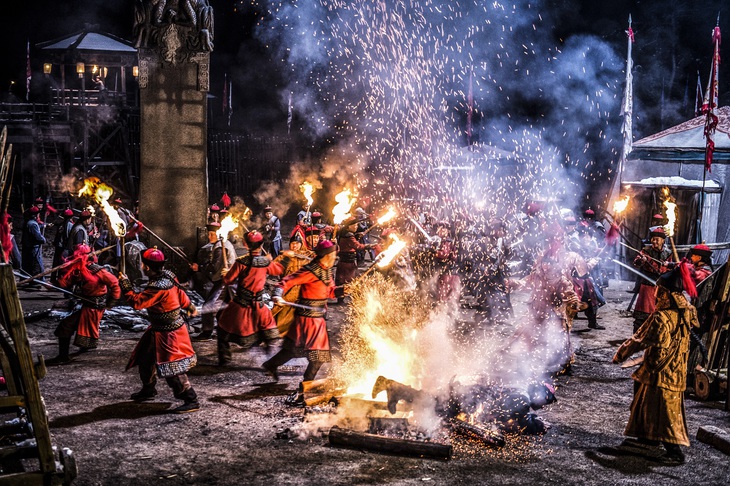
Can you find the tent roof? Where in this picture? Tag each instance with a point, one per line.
(90, 41)
(674, 182)
(689, 135)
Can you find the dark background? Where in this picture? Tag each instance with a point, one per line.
(673, 43)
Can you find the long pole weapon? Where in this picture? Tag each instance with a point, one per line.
(63, 265)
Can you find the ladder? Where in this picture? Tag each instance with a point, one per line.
(52, 165)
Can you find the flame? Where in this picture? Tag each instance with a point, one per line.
(387, 216)
(392, 251)
(671, 217)
(228, 224)
(389, 357)
(344, 203)
(307, 189)
(101, 193)
(621, 205)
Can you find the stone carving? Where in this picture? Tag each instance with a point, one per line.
(177, 28)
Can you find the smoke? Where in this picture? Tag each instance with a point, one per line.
(389, 82)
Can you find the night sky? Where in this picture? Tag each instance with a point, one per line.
(570, 71)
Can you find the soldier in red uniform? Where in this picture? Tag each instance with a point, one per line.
(347, 265)
(652, 261)
(308, 335)
(448, 282)
(165, 348)
(247, 320)
(701, 258)
(95, 285)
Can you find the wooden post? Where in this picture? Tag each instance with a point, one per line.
(390, 445)
(12, 319)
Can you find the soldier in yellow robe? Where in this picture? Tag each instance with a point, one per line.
(657, 411)
(292, 260)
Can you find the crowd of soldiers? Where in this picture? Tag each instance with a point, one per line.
(464, 262)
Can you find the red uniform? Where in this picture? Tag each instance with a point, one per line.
(448, 280)
(308, 335)
(247, 320)
(95, 284)
(166, 343)
(347, 265)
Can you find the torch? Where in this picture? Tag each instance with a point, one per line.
(385, 257)
(307, 189)
(101, 193)
(341, 211)
(671, 215)
(383, 219)
(228, 224)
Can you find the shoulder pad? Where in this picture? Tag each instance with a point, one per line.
(164, 281)
(260, 261)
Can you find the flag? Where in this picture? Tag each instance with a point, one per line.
(710, 102)
(225, 93)
(230, 101)
(470, 108)
(627, 106)
(27, 71)
(289, 116)
(698, 96)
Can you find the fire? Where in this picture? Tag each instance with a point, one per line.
(390, 355)
(101, 193)
(344, 203)
(228, 224)
(307, 189)
(671, 213)
(392, 251)
(387, 216)
(621, 205)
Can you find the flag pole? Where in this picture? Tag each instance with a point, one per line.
(708, 107)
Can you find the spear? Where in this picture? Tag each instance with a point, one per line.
(639, 251)
(63, 265)
(632, 269)
(173, 249)
(47, 285)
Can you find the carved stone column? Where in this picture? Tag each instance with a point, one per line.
(174, 59)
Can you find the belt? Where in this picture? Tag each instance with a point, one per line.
(166, 321)
(99, 301)
(318, 303)
(246, 298)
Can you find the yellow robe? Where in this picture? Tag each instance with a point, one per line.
(284, 314)
(657, 411)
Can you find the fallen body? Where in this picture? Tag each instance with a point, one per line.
(509, 408)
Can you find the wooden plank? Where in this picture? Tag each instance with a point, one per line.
(10, 304)
(30, 479)
(6, 367)
(12, 401)
(390, 445)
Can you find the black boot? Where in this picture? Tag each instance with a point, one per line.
(148, 392)
(224, 349)
(64, 343)
(296, 399)
(190, 404)
(674, 454)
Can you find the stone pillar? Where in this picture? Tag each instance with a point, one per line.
(174, 60)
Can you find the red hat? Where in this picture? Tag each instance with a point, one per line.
(659, 231)
(589, 212)
(316, 214)
(213, 226)
(253, 237)
(153, 255)
(67, 213)
(85, 214)
(39, 200)
(312, 230)
(34, 210)
(324, 247)
(118, 200)
(267, 209)
(658, 216)
(701, 250)
(214, 208)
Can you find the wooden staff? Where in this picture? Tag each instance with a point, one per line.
(63, 265)
(173, 249)
(674, 250)
(123, 263)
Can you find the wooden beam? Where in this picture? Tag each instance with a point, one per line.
(390, 445)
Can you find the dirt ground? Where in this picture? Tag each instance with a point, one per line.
(245, 434)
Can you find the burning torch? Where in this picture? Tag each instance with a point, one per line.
(307, 189)
(383, 219)
(228, 224)
(671, 215)
(102, 193)
(385, 257)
